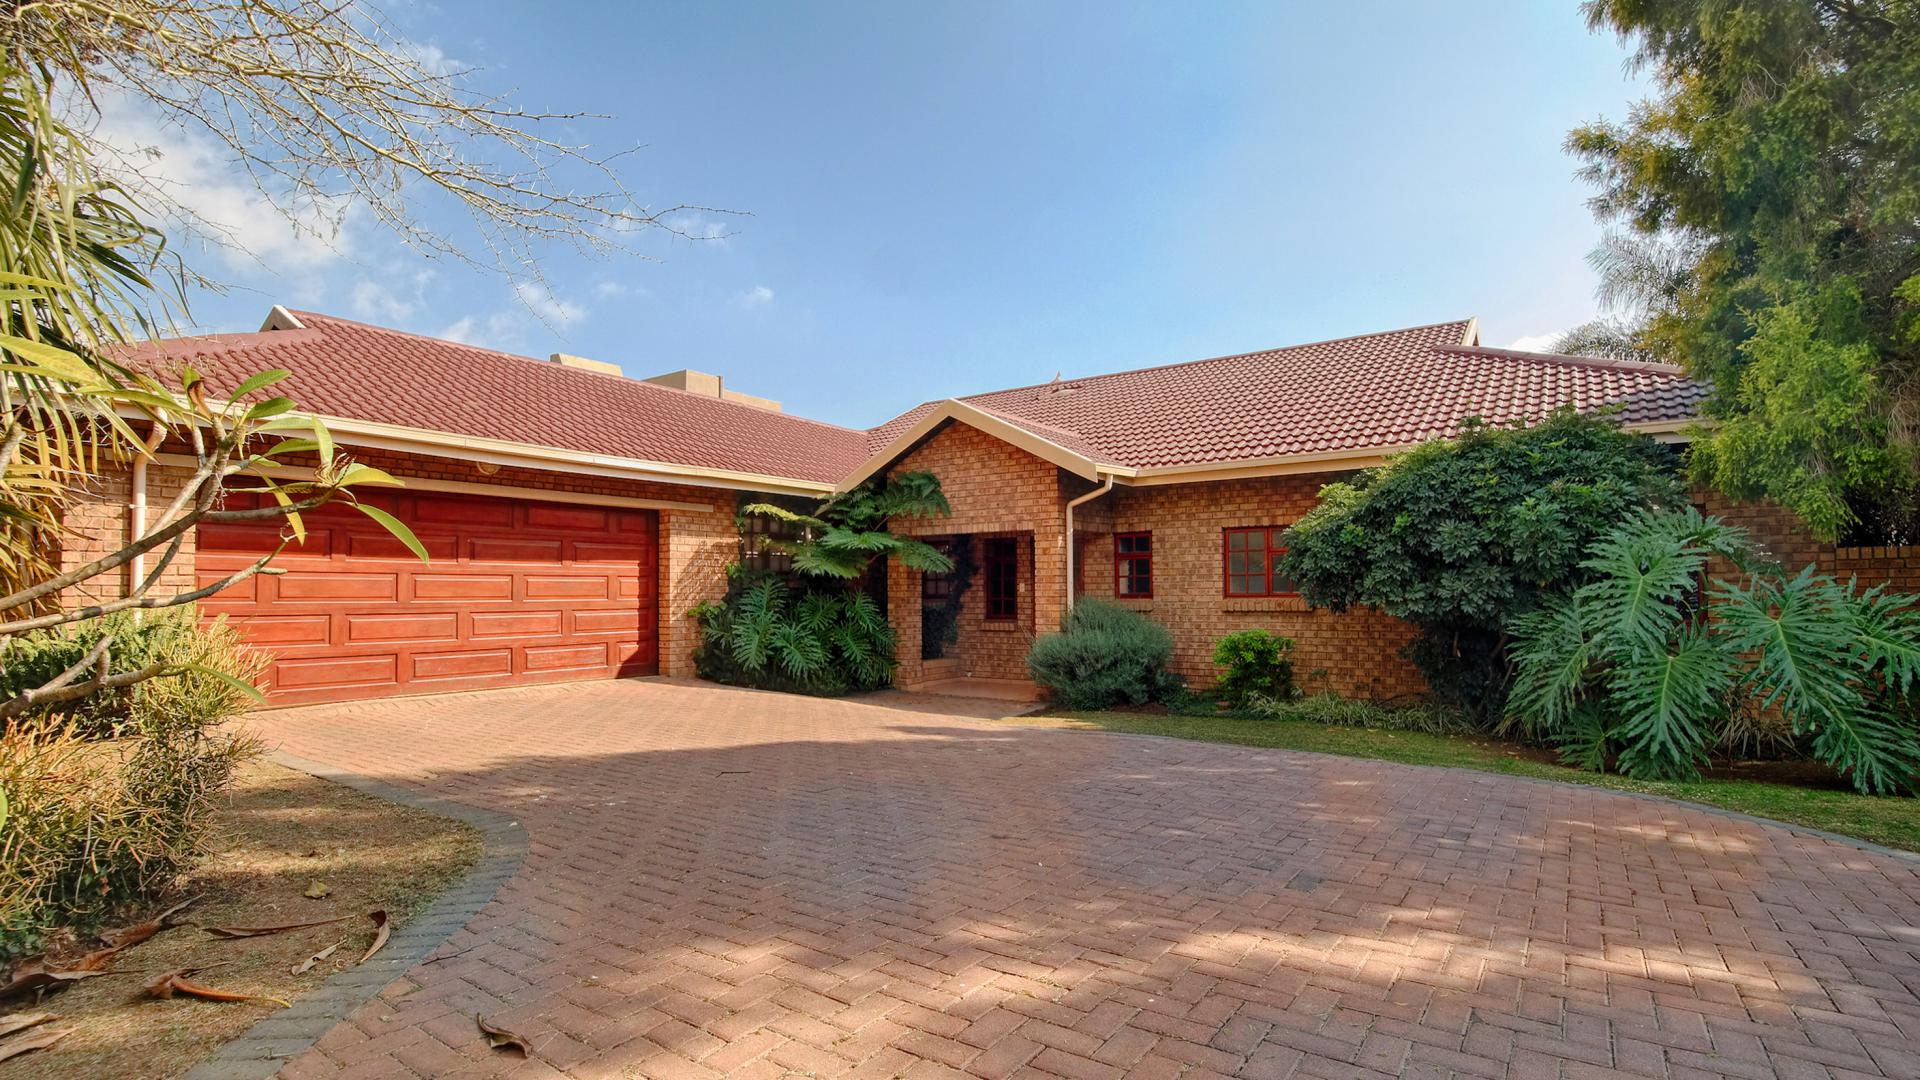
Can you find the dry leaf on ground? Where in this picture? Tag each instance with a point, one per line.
(317, 891)
(501, 1039)
(27, 1044)
(382, 927)
(21, 1022)
(41, 979)
(262, 931)
(307, 965)
(176, 982)
(139, 932)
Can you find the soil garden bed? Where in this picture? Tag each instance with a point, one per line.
(287, 848)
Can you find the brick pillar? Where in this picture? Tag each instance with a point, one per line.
(695, 548)
(903, 611)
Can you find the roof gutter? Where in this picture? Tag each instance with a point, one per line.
(1071, 504)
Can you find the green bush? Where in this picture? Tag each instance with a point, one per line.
(765, 634)
(1347, 712)
(196, 696)
(1257, 662)
(109, 799)
(1104, 655)
(1460, 537)
(1626, 670)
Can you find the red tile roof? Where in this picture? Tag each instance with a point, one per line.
(1364, 393)
(352, 370)
(1360, 393)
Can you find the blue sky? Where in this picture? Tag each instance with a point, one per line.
(948, 198)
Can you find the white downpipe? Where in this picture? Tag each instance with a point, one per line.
(137, 507)
(1087, 498)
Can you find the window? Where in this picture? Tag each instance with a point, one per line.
(1250, 555)
(1133, 565)
(1002, 566)
(938, 588)
(755, 531)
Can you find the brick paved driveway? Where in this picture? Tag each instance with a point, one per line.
(729, 883)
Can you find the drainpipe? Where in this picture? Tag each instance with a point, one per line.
(137, 507)
(1087, 498)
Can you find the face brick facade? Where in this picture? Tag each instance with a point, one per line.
(1011, 462)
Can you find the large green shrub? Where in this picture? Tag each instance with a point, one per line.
(1627, 670)
(109, 799)
(768, 635)
(1460, 537)
(212, 669)
(1104, 655)
(1258, 663)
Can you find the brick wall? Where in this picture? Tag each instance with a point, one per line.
(1355, 654)
(1780, 532)
(96, 524)
(995, 490)
(694, 546)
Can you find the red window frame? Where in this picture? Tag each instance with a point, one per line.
(937, 588)
(1133, 565)
(1000, 563)
(1264, 539)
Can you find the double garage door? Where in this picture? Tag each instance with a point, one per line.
(516, 592)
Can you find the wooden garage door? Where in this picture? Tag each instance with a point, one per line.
(517, 592)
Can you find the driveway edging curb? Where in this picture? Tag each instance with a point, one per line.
(266, 1047)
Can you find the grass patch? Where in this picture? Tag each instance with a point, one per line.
(1894, 822)
(277, 833)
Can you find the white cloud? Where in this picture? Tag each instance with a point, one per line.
(1537, 342)
(433, 58)
(192, 180)
(396, 299)
(756, 297)
(551, 309)
(609, 289)
(503, 330)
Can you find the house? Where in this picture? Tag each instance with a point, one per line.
(575, 515)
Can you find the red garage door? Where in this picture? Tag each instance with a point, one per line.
(517, 592)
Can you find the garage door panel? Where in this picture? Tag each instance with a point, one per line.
(557, 587)
(331, 672)
(271, 630)
(438, 626)
(522, 549)
(319, 585)
(489, 624)
(606, 622)
(470, 513)
(566, 518)
(566, 657)
(463, 665)
(385, 545)
(628, 554)
(516, 591)
(447, 586)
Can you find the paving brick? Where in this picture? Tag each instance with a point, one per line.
(729, 883)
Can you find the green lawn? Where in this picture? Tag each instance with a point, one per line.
(1894, 822)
